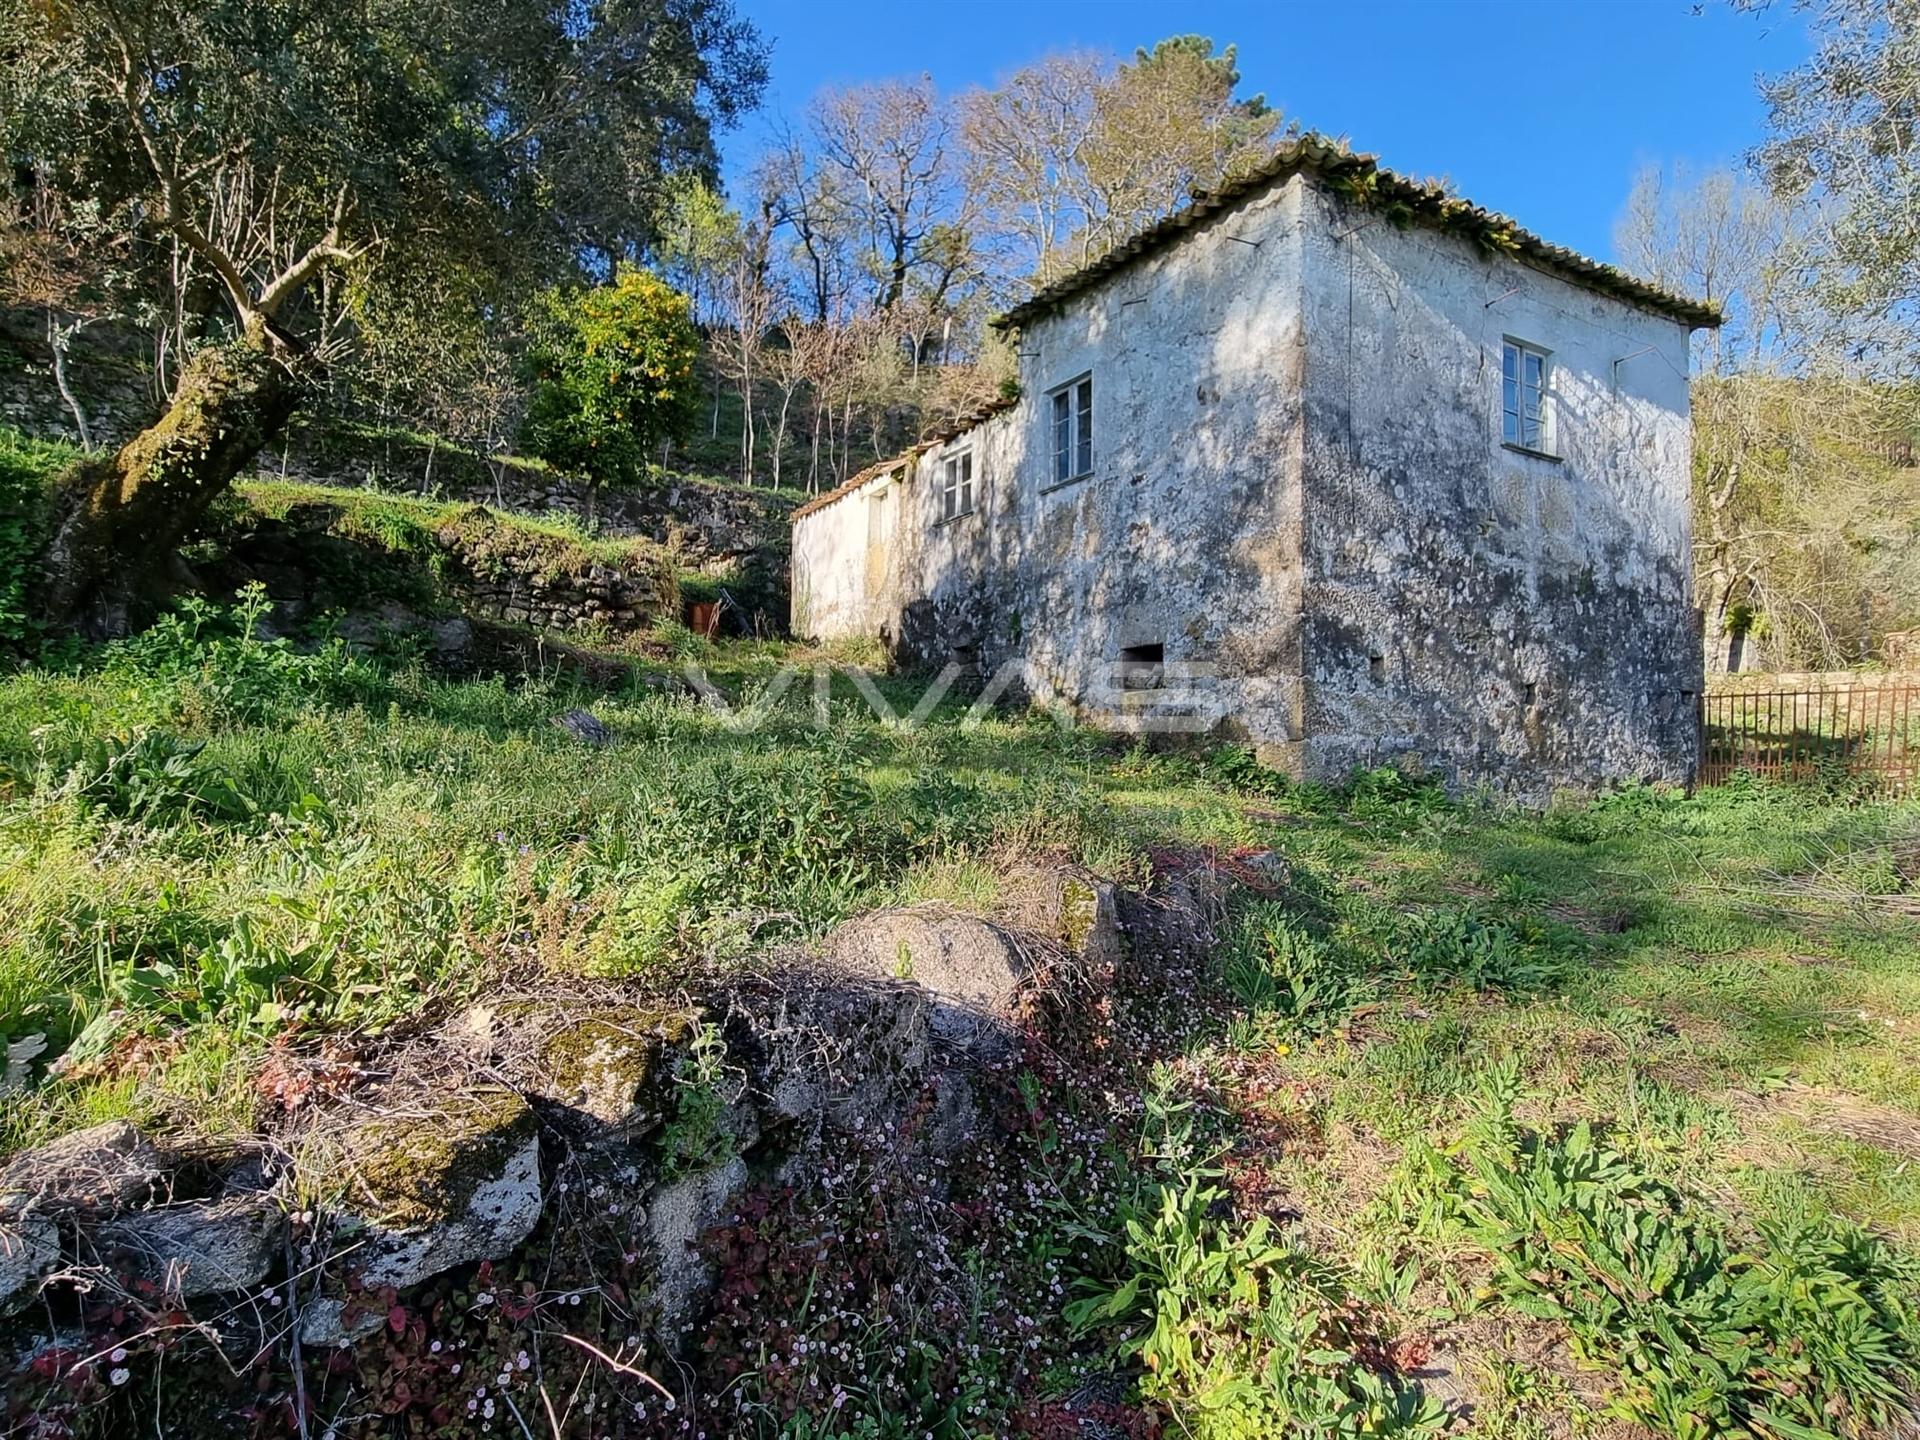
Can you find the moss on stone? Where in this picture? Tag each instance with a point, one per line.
(616, 1064)
(422, 1169)
(1079, 906)
(421, 550)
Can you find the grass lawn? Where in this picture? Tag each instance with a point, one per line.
(1603, 1121)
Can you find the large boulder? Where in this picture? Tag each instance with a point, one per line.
(198, 1247)
(434, 1182)
(97, 1171)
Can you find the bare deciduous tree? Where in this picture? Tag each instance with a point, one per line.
(750, 304)
(1804, 507)
(892, 146)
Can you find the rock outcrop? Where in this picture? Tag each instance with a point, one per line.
(198, 1247)
(435, 1181)
(972, 971)
(99, 1170)
(890, 1042)
(29, 1251)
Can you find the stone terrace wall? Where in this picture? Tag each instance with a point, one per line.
(312, 560)
(740, 535)
(711, 524)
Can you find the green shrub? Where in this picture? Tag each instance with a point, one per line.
(1239, 1335)
(1389, 795)
(244, 980)
(695, 1138)
(27, 472)
(1292, 979)
(613, 376)
(1460, 946)
(215, 657)
(154, 778)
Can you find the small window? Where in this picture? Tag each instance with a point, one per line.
(1073, 430)
(956, 485)
(1524, 418)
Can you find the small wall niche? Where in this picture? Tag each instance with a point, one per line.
(1377, 667)
(1142, 666)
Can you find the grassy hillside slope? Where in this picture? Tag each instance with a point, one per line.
(1608, 1113)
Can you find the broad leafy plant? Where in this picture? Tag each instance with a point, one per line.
(1808, 1329)
(1239, 1333)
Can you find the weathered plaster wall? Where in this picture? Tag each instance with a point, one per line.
(1185, 534)
(836, 592)
(1497, 616)
(1300, 488)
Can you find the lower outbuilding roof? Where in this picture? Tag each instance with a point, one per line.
(952, 430)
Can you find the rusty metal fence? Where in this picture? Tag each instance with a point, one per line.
(1869, 733)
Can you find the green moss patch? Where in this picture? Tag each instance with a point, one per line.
(420, 1169)
(361, 546)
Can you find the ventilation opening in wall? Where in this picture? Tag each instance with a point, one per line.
(1377, 667)
(1529, 692)
(1141, 666)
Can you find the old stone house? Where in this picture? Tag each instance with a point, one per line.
(1328, 461)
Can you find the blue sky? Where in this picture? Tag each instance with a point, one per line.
(1542, 111)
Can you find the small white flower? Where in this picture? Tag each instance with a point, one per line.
(119, 1376)
(119, 1354)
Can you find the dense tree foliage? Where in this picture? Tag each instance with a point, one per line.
(613, 377)
(1844, 150)
(273, 157)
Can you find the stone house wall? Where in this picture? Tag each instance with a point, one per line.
(1472, 604)
(1300, 496)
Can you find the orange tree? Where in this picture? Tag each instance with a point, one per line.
(612, 373)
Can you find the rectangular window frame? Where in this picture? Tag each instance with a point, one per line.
(1070, 431)
(1526, 397)
(958, 485)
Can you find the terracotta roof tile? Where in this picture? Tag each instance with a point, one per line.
(955, 428)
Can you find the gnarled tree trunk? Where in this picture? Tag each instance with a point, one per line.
(117, 517)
